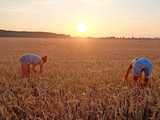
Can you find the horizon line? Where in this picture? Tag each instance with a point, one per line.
(72, 36)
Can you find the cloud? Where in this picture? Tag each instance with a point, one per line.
(44, 2)
(95, 2)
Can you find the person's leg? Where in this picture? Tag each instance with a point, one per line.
(136, 74)
(24, 68)
(146, 81)
(27, 70)
(148, 72)
(142, 75)
(136, 80)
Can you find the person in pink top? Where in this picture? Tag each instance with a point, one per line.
(30, 62)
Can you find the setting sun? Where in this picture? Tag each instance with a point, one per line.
(82, 28)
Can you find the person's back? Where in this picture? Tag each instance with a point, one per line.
(31, 59)
(142, 62)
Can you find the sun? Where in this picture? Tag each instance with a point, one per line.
(82, 28)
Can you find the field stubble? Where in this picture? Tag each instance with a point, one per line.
(83, 80)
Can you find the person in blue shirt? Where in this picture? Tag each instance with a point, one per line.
(138, 66)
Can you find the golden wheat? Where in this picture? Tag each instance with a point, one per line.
(83, 80)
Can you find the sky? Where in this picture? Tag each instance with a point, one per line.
(120, 18)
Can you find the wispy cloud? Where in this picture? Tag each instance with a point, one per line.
(44, 2)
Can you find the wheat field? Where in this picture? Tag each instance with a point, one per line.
(83, 80)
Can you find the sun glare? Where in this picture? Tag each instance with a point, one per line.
(82, 28)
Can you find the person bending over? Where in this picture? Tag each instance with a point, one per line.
(30, 62)
(138, 66)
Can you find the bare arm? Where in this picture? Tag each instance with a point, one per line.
(128, 71)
